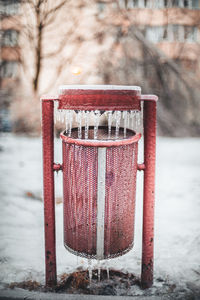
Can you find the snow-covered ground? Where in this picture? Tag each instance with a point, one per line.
(177, 215)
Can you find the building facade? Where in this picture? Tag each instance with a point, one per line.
(10, 50)
(9, 57)
(173, 26)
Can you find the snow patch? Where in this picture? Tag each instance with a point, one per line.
(177, 215)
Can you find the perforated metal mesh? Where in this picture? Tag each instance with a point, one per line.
(80, 182)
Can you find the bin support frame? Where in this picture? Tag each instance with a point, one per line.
(48, 191)
(149, 123)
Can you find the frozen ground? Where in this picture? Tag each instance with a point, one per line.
(177, 216)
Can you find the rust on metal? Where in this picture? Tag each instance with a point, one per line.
(101, 143)
(89, 99)
(57, 167)
(82, 170)
(141, 167)
(116, 225)
(48, 186)
(153, 98)
(149, 189)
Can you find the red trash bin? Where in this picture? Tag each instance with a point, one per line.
(99, 185)
(99, 176)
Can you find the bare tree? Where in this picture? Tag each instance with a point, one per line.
(113, 50)
(38, 20)
(141, 62)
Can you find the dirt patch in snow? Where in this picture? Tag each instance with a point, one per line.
(118, 283)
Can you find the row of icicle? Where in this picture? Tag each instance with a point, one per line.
(126, 119)
(98, 269)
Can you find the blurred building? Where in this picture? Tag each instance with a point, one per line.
(9, 57)
(173, 26)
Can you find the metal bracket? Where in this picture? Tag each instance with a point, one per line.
(57, 167)
(141, 167)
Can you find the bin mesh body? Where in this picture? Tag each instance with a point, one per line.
(80, 186)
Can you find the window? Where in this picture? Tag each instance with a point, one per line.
(9, 38)
(150, 34)
(186, 3)
(142, 3)
(130, 4)
(122, 4)
(101, 6)
(195, 3)
(5, 120)
(190, 34)
(175, 32)
(181, 32)
(175, 2)
(155, 34)
(149, 3)
(9, 69)
(165, 3)
(135, 3)
(165, 33)
(172, 33)
(158, 3)
(9, 7)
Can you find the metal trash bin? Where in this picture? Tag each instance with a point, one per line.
(99, 185)
(99, 173)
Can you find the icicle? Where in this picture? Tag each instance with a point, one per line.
(108, 275)
(133, 115)
(87, 120)
(66, 121)
(70, 120)
(125, 122)
(131, 119)
(58, 115)
(79, 121)
(109, 123)
(55, 111)
(90, 269)
(63, 116)
(99, 270)
(137, 120)
(128, 119)
(117, 118)
(96, 123)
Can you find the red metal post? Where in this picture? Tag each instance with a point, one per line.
(48, 185)
(149, 190)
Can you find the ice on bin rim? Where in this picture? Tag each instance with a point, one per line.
(62, 88)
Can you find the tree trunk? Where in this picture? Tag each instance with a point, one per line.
(38, 50)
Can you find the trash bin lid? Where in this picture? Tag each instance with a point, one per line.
(99, 97)
(63, 88)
